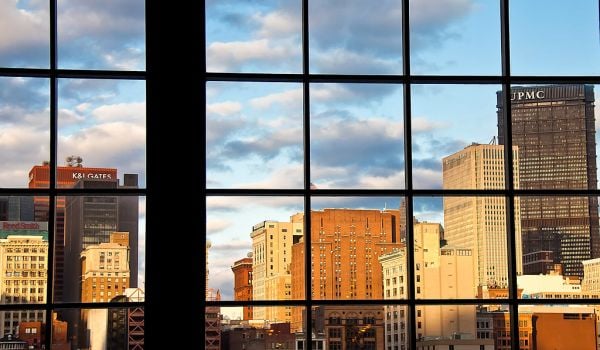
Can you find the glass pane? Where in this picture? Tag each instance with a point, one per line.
(235, 331)
(109, 328)
(102, 131)
(553, 129)
(257, 236)
(461, 327)
(101, 34)
(350, 326)
(357, 248)
(24, 125)
(357, 136)
(100, 247)
(461, 247)
(538, 325)
(451, 126)
(559, 233)
(455, 37)
(359, 39)
(254, 37)
(23, 329)
(23, 250)
(254, 135)
(25, 39)
(554, 37)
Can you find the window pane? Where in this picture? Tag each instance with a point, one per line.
(102, 124)
(559, 233)
(359, 39)
(454, 135)
(553, 129)
(254, 135)
(554, 38)
(538, 324)
(455, 37)
(461, 247)
(236, 331)
(23, 249)
(100, 247)
(357, 248)
(25, 37)
(114, 328)
(101, 34)
(251, 247)
(253, 37)
(357, 136)
(28, 325)
(24, 128)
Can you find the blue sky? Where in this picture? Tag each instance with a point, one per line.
(254, 130)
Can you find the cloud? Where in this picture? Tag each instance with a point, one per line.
(291, 99)
(129, 112)
(343, 61)
(24, 34)
(106, 34)
(421, 124)
(240, 204)
(217, 225)
(427, 178)
(290, 176)
(280, 24)
(22, 147)
(230, 56)
(223, 108)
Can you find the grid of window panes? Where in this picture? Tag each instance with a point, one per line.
(378, 175)
(73, 183)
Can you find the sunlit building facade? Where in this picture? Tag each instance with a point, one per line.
(479, 223)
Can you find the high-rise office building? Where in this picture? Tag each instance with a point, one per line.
(554, 128)
(272, 243)
(90, 220)
(345, 246)
(479, 223)
(66, 177)
(16, 208)
(242, 283)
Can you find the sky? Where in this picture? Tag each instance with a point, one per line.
(254, 130)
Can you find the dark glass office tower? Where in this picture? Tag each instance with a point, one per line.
(553, 126)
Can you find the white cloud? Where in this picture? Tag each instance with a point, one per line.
(22, 146)
(278, 24)
(228, 56)
(427, 178)
(242, 204)
(290, 99)
(216, 225)
(126, 112)
(223, 108)
(290, 176)
(421, 124)
(22, 27)
(394, 180)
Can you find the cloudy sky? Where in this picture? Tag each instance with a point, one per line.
(254, 131)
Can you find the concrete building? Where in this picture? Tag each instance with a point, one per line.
(547, 327)
(479, 223)
(276, 336)
(440, 273)
(346, 244)
(554, 128)
(242, 283)
(591, 276)
(272, 243)
(347, 327)
(105, 270)
(23, 271)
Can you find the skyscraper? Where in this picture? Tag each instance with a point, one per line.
(479, 223)
(554, 128)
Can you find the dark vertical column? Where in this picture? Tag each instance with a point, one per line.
(175, 111)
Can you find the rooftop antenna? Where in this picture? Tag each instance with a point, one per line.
(74, 161)
(493, 141)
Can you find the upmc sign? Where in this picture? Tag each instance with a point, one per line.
(527, 95)
(104, 176)
(23, 225)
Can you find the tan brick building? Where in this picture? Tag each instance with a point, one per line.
(105, 269)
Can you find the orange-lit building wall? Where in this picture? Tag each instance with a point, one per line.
(242, 287)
